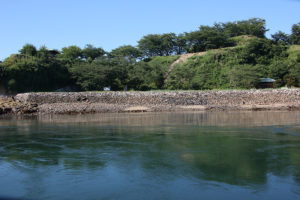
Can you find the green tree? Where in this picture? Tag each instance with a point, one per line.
(207, 38)
(90, 52)
(13, 58)
(145, 76)
(281, 38)
(128, 52)
(278, 70)
(295, 36)
(245, 76)
(254, 26)
(47, 55)
(180, 44)
(28, 50)
(157, 44)
(101, 73)
(257, 51)
(71, 54)
(168, 43)
(293, 78)
(2, 72)
(34, 73)
(89, 76)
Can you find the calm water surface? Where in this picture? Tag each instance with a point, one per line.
(193, 155)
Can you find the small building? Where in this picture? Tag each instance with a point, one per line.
(52, 52)
(266, 83)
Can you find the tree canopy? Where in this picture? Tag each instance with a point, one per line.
(295, 36)
(157, 44)
(28, 50)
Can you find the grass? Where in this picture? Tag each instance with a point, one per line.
(294, 53)
(163, 61)
(243, 39)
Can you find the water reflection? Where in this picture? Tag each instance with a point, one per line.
(238, 149)
(246, 118)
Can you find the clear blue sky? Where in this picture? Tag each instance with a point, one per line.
(112, 23)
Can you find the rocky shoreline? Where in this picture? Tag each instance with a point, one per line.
(100, 102)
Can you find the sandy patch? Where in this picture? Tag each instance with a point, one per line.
(193, 107)
(137, 109)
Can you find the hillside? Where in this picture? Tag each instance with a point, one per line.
(231, 55)
(240, 66)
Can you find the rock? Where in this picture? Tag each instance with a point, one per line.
(86, 102)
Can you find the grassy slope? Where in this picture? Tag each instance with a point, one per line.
(215, 66)
(294, 52)
(163, 61)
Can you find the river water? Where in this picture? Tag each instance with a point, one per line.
(190, 155)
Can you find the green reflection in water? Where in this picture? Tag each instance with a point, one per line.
(195, 146)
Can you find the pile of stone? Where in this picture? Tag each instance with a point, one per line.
(8, 105)
(88, 102)
(220, 98)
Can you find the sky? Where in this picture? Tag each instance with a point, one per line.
(112, 23)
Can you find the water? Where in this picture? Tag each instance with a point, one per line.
(193, 155)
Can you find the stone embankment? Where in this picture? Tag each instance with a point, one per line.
(89, 102)
(9, 105)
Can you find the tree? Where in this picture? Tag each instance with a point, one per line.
(293, 78)
(34, 73)
(90, 52)
(127, 51)
(206, 38)
(295, 36)
(71, 54)
(146, 76)
(168, 43)
(28, 50)
(257, 51)
(89, 76)
(180, 44)
(157, 44)
(46, 54)
(100, 73)
(254, 26)
(2, 72)
(278, 70)
(13, 58)
(281, 38)
(195, 42)
(245, 76)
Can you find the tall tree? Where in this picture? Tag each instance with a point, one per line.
(206, 38)
(2, 72)
(71, 54)
(180, 44)
(28, 50)
(281, 38)
(127, 51)
(90, 52)
(295, 36)
(254, 26)
(157, 44)
(100, 73)
(47, 54)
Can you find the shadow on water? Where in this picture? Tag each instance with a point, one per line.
(238, 149)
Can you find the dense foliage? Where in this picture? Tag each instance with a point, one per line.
(234, 55)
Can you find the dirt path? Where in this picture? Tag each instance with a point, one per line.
(182, 58)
